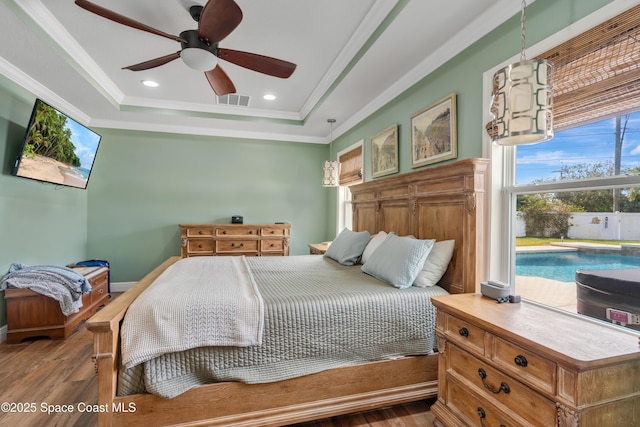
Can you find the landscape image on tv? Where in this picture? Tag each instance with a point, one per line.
(57, 149)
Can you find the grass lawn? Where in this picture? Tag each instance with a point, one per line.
(541, 241)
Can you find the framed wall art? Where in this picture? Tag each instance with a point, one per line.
(433, 133)
(384, 152)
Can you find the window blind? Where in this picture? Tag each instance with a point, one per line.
(351, 166)
(597, 73)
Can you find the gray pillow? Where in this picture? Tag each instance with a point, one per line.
(348, 246)
(398, 260)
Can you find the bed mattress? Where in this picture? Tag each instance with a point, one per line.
(611, 295)
(319, 315)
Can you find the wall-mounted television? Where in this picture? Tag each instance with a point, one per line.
(56, 148)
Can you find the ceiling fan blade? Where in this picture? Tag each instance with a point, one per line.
(218, 19)
(219, 81)
(153, 62)
(260, 63)
(121, 19)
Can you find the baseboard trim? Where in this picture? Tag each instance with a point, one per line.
(121, 286)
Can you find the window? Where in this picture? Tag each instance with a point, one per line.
(576, 206)
(350, 174)
(577, 195)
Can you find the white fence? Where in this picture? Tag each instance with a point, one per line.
(598, 226)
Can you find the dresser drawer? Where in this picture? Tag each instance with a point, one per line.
(468, 335)
(272, 245)
(237, 231)
(200, 246)
(492, 384)
(475, 410)
(528, 367)
(99, 289)
(273, 232)
(199, 231)
(237, 246)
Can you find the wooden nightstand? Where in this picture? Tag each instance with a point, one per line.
(318, 248)
(522, 364)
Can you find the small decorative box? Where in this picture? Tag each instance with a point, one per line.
(495, 290)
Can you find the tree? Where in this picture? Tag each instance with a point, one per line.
(49, 136)
(588, 201)
(545, 215)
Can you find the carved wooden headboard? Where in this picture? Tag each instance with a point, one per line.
(443, 202)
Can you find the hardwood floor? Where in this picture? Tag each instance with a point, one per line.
(58, 375)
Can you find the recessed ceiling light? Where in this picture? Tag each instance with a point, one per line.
(150, 83)
(269, 97)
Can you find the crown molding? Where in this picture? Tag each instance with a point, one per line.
(25, 81)
(479, 27)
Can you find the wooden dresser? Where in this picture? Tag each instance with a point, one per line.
(522, 364)
(30, 314)
(234, 239)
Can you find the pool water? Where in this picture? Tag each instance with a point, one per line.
(562, 266)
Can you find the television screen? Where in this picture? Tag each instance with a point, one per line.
(56, 148)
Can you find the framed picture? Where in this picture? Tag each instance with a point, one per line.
(433, 133)
(384, 152)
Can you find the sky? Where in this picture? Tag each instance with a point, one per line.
(590, 143)
(85, 141)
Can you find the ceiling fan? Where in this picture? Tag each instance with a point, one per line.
(200, 51)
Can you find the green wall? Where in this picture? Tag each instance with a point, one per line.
(39, 223)
(145, 183)
(463, 75)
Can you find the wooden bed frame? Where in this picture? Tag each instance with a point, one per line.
(443, 202)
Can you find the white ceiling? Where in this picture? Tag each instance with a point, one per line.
(352, 57)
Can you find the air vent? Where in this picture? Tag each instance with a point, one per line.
(233, 99)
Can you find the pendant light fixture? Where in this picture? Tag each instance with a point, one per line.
(522, 99)
(331, 168)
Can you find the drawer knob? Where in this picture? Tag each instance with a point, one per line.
(199, 246)
(464, 332)
(520, 360)
(233, 245)
(250, 231)
(224, 231)
(273, 231)
(482, 416)
(199, 231)
(503, 386)
(272, 245)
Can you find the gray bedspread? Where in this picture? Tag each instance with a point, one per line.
(319, 315)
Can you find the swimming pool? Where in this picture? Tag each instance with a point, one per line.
(562, 266)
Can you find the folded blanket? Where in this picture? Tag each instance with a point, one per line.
(60, 283)
(214, 302)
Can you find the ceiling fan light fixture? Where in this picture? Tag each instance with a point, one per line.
(198, 59)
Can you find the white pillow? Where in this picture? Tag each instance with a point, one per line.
(373, 244)
(398, 260)
(436, 264)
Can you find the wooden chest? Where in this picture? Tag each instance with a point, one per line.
(30, 314)
(234, 239)
(527, 365)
